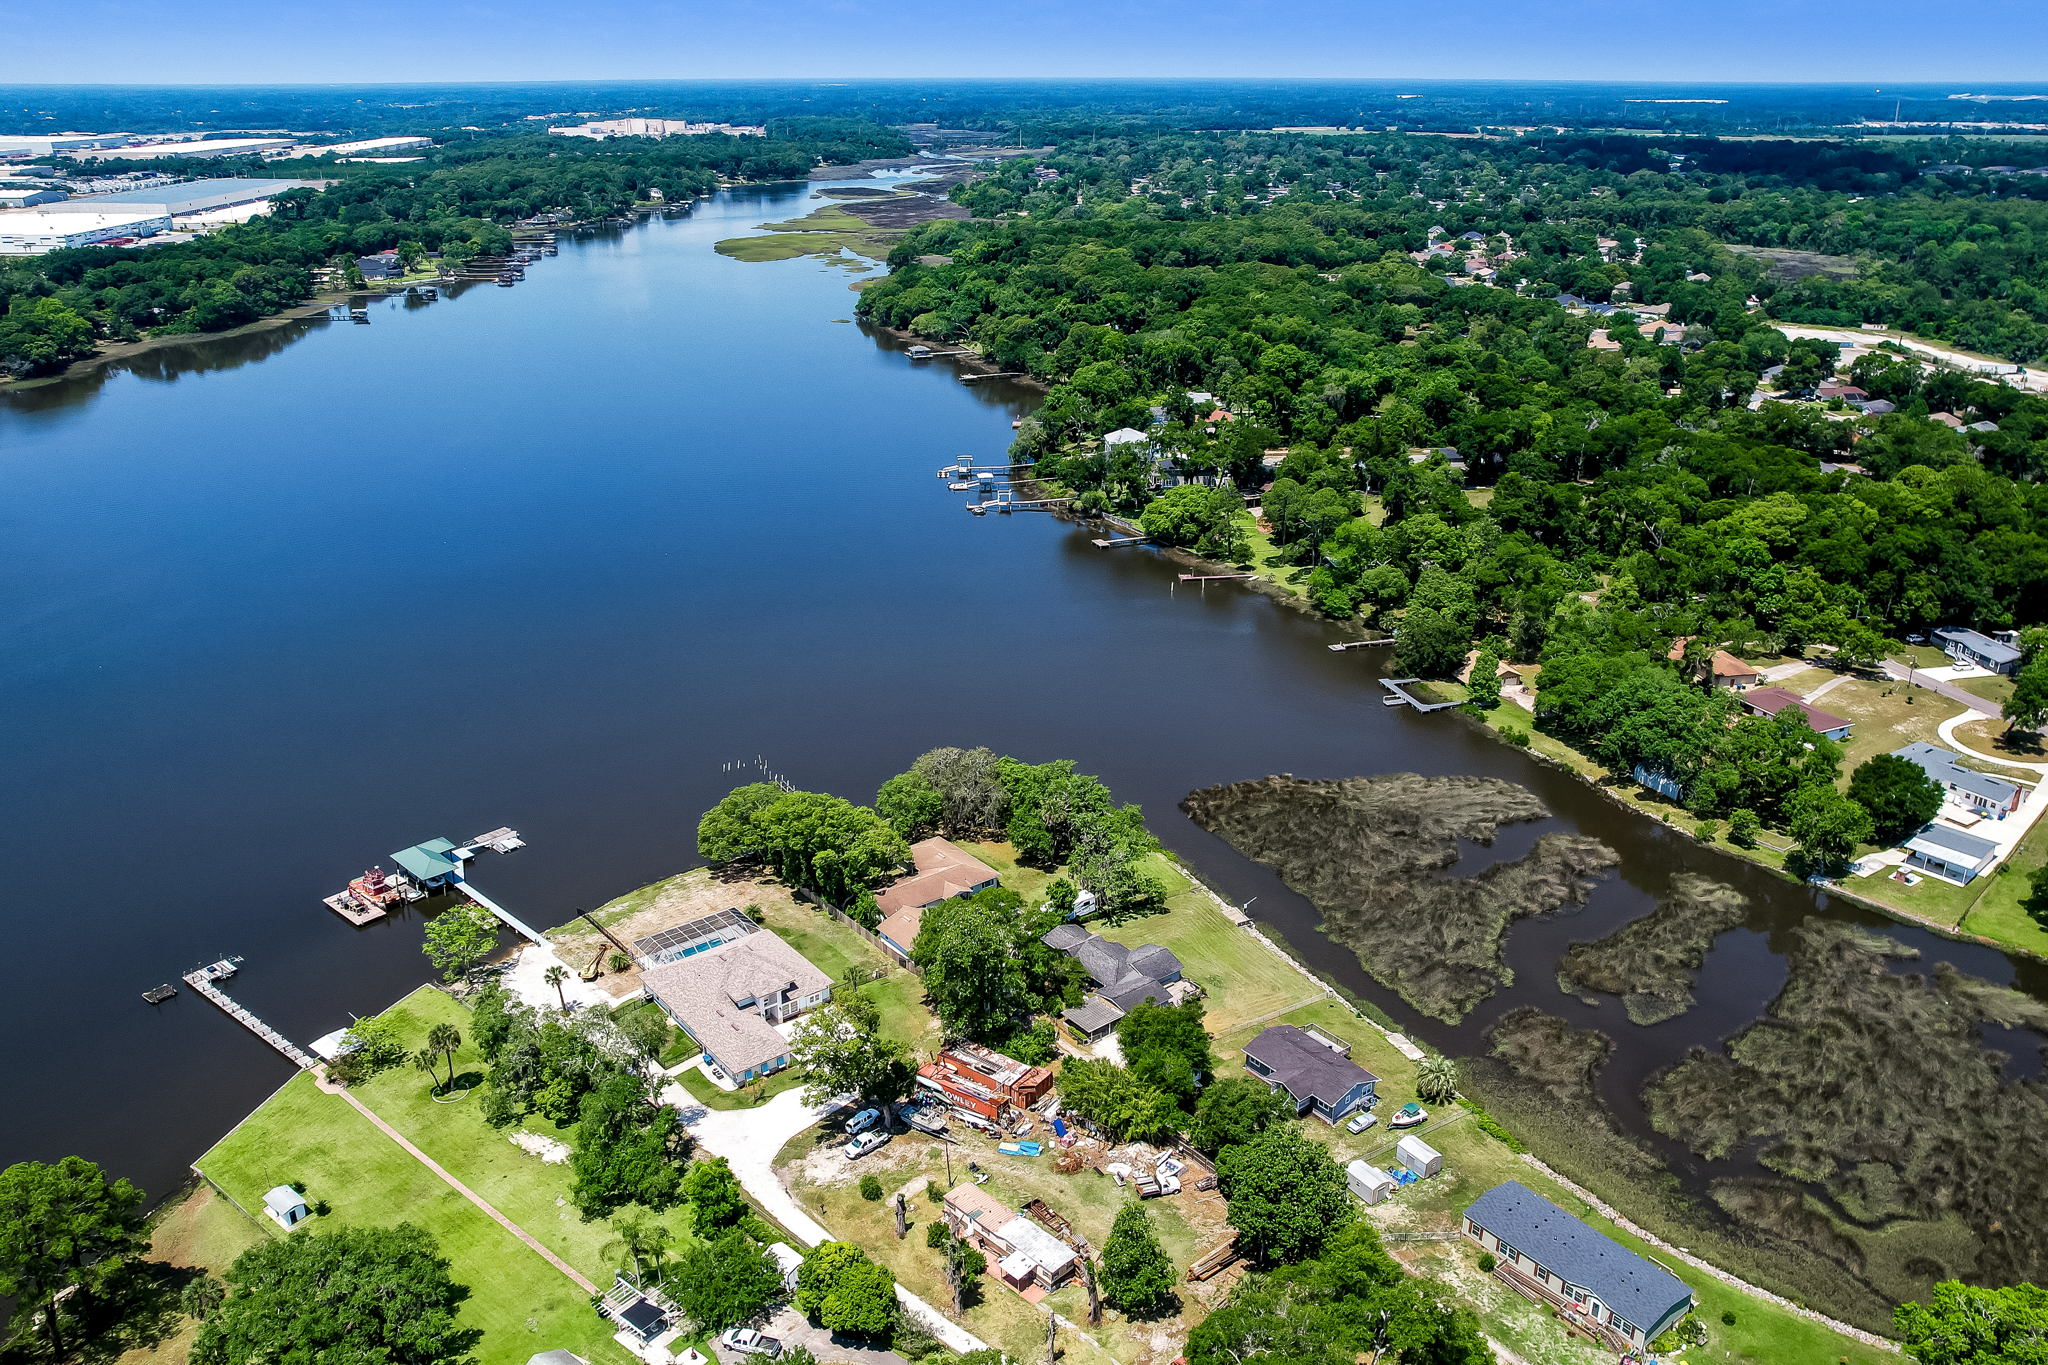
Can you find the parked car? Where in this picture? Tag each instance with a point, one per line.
(861, 1122)
(748, 1342)
(865, 1143)
(1364, 1120)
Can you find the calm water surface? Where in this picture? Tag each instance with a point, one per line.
(553, 557)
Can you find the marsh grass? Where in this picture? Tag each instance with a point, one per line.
(1651, 962)
(1362, 850)
(1875, 1085)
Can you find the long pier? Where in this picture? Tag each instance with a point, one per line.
(1112, 542)
(202, 980)
(1402, 696)
(505, 917)
(1340, 647)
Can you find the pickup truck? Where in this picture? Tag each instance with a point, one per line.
(747, 1342)
(865, 1143)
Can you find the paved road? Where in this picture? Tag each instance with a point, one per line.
(1949, 690)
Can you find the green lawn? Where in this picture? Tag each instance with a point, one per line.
(712, 1096)
(523, 1304)
(520, 1303)
(1992, 687)
(1244, 979)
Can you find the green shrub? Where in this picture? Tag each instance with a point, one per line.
(1487, 1263)
(935, 1234)
(1727, 1317)
(1515, 735)
(871, 1187)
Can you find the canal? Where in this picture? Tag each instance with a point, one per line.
(557, 557)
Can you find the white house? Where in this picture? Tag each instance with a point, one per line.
(1126, 437)
(1951, 854)
(1978, 792)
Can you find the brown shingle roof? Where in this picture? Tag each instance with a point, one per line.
(701, 992)
(944, 870)
(1769, 701)
(1726, 665)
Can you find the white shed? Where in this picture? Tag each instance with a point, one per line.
(1368, 1181)
(286, 1207)
(1419, 1157)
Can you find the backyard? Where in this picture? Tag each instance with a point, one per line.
(522, 1304)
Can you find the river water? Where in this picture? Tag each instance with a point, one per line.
(557, 557)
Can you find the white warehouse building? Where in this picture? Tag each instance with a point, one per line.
(33, 232)
(184, 198)
(224, 146)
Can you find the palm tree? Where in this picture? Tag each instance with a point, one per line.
(445, 1040)
(637, 1236)
(555, 976)
(429, 1061)
(1436, 1079)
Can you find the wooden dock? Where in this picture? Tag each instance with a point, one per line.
(203, 979)
(352, 909)
(1006, 374)
(1402, 696)
(1213, 577)
(1343, 645)
(1112, 542)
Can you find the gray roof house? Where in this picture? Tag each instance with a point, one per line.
(1314, 1069)
(1967, 786)
(1595, 1281)
(1953, 854)
(1969, 646)
(1123, 978)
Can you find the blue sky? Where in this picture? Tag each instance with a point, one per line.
(207, 41)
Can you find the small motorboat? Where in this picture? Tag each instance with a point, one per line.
(1408, 1116)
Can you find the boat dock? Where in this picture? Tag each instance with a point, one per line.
(1403, 697)
(202, 980)
(1112, 542)
(1213, 577)
(1343, 645)
(423, 869)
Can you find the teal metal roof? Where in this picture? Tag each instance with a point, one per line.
(429, 861)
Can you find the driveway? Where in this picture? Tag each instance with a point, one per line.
(789, 1328)
(749, 1140)
(1919, 678)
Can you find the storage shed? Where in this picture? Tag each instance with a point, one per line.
(1368, 1181)
(1419, 1157)
(286, 1207)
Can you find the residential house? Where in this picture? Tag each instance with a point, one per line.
(730, 998)
(384, 265)
(1120, 978)
(1952, 854)
(1314, 1069)
(1769, 701)
(1126, 436)
(1971, 647)
(1021, 1253)
(1978, 792)
(1721, 670)
(1598, 1284)
(944, 871)
(1875, 407)
(1947, 419)
(975, 1080)
(1847, 392)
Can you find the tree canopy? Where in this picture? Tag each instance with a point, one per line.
(362, 1294)
(1286, 1195)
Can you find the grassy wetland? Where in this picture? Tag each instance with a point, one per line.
(1363, 850)
(1650, 963)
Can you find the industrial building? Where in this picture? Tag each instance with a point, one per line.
(181, 200)
(32, 232)
(208, 147)
(28, 196)
(58, 144)
(657, 127)
(375, 146)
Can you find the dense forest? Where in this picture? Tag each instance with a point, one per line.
(54, 308)
(1632, 493)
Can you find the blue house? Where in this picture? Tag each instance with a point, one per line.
(1315, 1070)
(1599, 1285)
(1969, 647)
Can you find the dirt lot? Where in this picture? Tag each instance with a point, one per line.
(662, 905)
(818, 1174)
